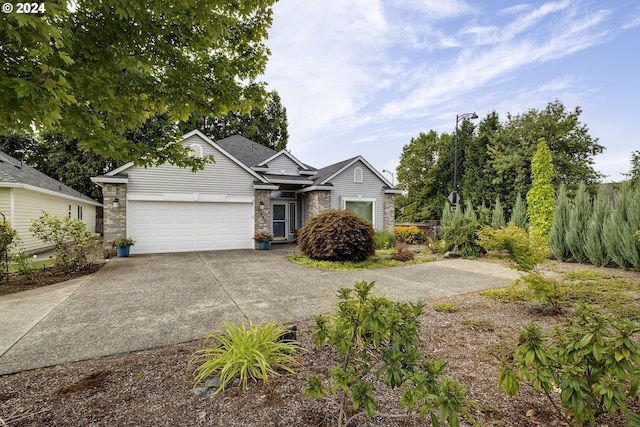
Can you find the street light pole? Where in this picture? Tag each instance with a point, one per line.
(453, 198)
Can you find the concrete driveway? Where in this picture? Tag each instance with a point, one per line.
(148, 301)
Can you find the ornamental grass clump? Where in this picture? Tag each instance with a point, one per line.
(337, 235)
(247, 352)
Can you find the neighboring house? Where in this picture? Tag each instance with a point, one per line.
(249, 188)
(26, 192)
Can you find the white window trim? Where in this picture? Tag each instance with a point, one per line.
(361, 199)
(355, 175)
(196, 150)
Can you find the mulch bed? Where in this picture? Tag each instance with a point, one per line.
(42, 277)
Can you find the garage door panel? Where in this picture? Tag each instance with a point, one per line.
(181, 227)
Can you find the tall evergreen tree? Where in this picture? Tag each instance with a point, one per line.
(621, 224)
(474, 181)
(595, 247)
(497, 215)
(559, 225)
(519, 213)
(541, 197)
(579, 215)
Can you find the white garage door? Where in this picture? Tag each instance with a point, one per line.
(183, 226)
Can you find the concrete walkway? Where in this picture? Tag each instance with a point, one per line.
(148, 301)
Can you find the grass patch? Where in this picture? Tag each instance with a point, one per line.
(481, 325)
(617, 296)
(445, 307)
(36, 264)
(381, 259)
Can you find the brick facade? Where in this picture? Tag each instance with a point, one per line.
(262, 214)
(319, 201)
(389, 213)
(115, 218)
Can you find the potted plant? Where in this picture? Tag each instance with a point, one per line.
(263, 238)
(123, 244)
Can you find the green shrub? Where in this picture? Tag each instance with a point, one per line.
(25, 265)
(548, 291)
(255, 352)
(519, 213)
(559, 226)
(411, 235)
(497, 215)
(595, 247)
(460, 231)
(541, 197)
(576, 233)
(337, 235)
(521, 247)
(384, 239)
(624, 220)
(8, 235)
(592, 359)
(402, 253)
(75, 248)
(376, 336)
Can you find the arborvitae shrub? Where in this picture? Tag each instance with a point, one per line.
(337, 235)
(579, 215)
(595, 248)
(559, 225)
(541, 197)
(519, 213)
(497, 215)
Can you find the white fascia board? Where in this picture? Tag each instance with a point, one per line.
(285, 153)
(189, 197)
(392, 191)
(371, 168)
(308, 172)
(109, 180)
(265, 187)
(51, 193)
(289, 181)
(315, 188)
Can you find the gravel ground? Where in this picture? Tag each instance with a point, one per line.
(153, 387)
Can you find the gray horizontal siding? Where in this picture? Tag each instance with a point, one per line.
(370, 187)
(282, 162)
(224, 177)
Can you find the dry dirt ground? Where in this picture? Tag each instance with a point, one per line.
(153, 387)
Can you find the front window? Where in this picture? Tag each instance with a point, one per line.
(360, 208)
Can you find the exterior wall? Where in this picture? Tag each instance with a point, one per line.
(224, 177)
(389, 213)
(29, 205)
(5, 206)
(371, 187)
(318, 201)
(262, 216)
(283, 163)
(115, 219)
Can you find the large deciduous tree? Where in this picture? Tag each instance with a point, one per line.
(267, 126)
(96, 70)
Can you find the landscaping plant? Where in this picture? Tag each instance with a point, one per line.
(8, 235)
(75, 248)
(384, 239)
(337, 235)
(595, 247)
(376, 336)
(497, 215)
(519, 213)
(559, 225)
(402, 252)
(459, 231)
(256, 352)
(592, 359)
(411, 234)
(541, 197)
(523, 249)
(579, 215)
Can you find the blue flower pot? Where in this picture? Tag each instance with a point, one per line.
(123, 251)
(263, 246)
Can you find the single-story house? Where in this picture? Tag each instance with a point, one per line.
(26, 192)
(249, 188)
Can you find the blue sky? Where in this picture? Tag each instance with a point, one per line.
(365, 76)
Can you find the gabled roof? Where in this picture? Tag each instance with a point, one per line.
(14, 173)
(245, 150)
(326, 174)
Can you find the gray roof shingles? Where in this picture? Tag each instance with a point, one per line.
(17, 172)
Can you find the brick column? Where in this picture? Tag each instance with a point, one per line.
(115, 218)
(262, 212)
(389, 213)
(319, 201)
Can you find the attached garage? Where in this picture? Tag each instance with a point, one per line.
(161, 226)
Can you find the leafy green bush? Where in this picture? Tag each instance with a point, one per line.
(376, 335)
(255, 352)
(25, 265)
(8, 235)
(548, 291)
(402, 253)
(522, 248)
(541, 197)
(337, 235)
(75, 248)
(409, 234)
(384, 239)
(592, 359)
